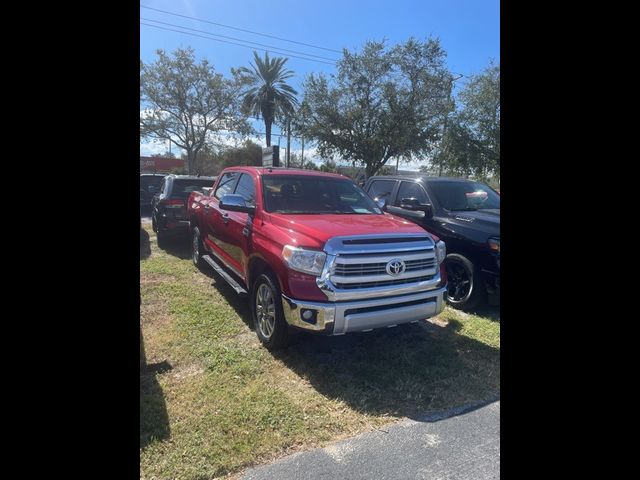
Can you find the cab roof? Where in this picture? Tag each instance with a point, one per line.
(286, 171)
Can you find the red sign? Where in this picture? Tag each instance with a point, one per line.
(160, 164)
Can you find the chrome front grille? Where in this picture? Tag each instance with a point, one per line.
(364, 269)
(362, 263)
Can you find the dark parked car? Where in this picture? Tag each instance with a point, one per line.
(465, 215)
(168, 215)
(149, 186)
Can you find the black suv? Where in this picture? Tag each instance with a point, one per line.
(149, 186)
(465, 215)
(169, 212)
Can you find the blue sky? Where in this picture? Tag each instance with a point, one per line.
(469, 30)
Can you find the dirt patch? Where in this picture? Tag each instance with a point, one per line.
(154, 278)
(439, 321)
(181, 372)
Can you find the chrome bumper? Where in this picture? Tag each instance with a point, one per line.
(344, 317)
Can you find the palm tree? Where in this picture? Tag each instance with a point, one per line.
(269, 95)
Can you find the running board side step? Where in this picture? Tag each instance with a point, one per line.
(229, 279)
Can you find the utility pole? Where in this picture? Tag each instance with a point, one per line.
(302, 162)
(288, 141)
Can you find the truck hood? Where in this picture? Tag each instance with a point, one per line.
(320, 228)
(484, 220)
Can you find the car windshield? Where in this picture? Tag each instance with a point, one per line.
(315, 195)
(465, 196)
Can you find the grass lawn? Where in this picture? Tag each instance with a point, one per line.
(213, 401)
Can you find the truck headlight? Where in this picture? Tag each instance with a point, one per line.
(303, 260)
(441, 251)
(494, 244)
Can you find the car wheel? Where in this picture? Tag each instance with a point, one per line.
(154, 225)
(267, 312)
(162, 238)
(197, 248)
(464, 285)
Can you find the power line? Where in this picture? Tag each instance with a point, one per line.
(238, 39)
(231, 132)
(241, 29)
(234, 43)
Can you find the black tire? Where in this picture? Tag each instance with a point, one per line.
(154, 225)
(276, 335)
(161, 238)
(197, 248)
(465, 289)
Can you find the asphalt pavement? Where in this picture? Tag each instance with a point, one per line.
(463, 446)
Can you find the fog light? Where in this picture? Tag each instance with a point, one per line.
(308, 315)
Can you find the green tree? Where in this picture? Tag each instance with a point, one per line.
(471, 144)
(268, 95)
(329, 166)
(383, 103)
(309, 165)
(213, 161)
(186, 102)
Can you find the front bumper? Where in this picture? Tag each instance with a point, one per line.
(355, 316)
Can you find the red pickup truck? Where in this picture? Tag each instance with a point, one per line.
(313, 251)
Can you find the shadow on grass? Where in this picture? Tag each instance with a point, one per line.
(240, 303)
(154, 420)
(491, 312)
(405, 371)
(177, 246)
(181, 248)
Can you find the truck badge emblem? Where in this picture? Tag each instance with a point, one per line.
(396, 267)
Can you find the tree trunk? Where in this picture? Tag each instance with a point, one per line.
(267, 126)
(370, 170)
(191, 162)
(288, 142)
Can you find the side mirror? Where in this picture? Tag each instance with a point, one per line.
(207, 191)
(414, 205)
(236, 203)
(382, 203)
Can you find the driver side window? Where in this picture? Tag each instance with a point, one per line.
(247, 189)
(411, 190)
(226, 185)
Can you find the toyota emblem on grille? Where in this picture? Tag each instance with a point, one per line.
(395, 267)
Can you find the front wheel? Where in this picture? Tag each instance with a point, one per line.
(464, 285)
(267, 312)
(197, 249)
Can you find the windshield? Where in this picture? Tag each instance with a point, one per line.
(464, 196)
(182, 188)
(314, 194)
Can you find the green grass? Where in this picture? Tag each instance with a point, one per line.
(213, 401)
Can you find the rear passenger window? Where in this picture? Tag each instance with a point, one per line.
(247, 189)
(227, 182)
(380, 189)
